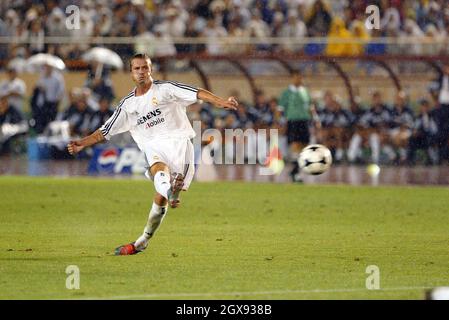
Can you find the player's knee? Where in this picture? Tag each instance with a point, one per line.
(158, 166)
(160, 200)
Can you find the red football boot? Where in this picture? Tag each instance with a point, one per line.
(127, 249)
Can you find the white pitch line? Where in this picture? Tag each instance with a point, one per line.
(275, 292)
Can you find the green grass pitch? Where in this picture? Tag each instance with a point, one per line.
(228, 240)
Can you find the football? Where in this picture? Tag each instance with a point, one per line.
(315, 159)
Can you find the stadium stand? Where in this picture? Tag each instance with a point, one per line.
(325, 40)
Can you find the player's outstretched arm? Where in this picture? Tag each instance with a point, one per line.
(230, 103)
(76, 146)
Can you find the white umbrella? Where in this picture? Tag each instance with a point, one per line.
(103, 56)
(18, 64)
(41, 59)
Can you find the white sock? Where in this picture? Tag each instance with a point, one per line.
(402, 153)
(354, 147)
(374, 142)
(433, 155)
(162, 183)
(339, 154)
(157, 214)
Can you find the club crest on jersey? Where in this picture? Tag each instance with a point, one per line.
(154, 101)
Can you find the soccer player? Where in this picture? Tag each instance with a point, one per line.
(155, 115)
(372, 124)
(401, 127)
(335, 123)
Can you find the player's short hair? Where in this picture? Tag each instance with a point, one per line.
(139, 56)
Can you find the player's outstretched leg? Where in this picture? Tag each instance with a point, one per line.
(157, 214)
(155, 218)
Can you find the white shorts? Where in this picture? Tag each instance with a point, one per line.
(176, 153)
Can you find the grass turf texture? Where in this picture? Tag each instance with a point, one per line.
(227, 241)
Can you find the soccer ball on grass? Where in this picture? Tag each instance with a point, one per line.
(315, 159)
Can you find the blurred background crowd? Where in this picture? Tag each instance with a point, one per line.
(391, 132)
(233, 20)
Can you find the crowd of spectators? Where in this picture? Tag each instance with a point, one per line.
(391, 133)
(224, 24)
(375, 132)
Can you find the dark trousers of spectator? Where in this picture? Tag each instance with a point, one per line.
(421, 141)
(44, 115)
(442, 138)
(5, 147)
(8, 145)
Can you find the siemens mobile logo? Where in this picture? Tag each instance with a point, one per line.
(148, 116)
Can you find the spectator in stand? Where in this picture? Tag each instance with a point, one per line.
(202, 9)
(79, 113)
(294, 28)
(413, 35)
(337, 34)
(442, 114)
(101, 115)
(233, 41)
(434, 41)
(174, 25)
(335, 122)
(14, 89)
(360, 35)
(239, 14)
(372, 126)
(47, 95)
(166, 47)
(214, 33)
(424, 134)
(391, 22)
(12, 22)
(258, 30)
(264, 117)
(276, 27)
(100, 84)
(194, 24)
(9, 116)
(55, 24)
(36, 37)
(103, 24)
(319, 20)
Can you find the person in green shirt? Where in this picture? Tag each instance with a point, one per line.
(299, 111)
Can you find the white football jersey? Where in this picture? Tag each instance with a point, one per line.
(160, 112)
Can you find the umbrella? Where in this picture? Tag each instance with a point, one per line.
(41, 59)
(103, 56)
(18, 64)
